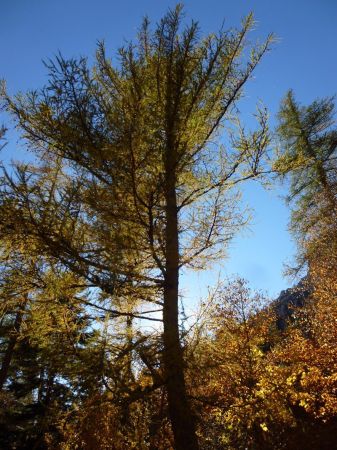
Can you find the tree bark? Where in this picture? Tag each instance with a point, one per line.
(179, 409)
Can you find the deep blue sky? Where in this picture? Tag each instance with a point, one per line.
(304, 59)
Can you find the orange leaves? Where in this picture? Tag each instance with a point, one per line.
(259, 387)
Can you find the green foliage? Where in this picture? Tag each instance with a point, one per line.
(308, 156)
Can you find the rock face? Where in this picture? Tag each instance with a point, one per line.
(289, 300)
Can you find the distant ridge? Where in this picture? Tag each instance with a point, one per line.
(290, 299)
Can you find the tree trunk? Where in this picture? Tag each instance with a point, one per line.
(6, 362)
(179, 409)
(49, 388)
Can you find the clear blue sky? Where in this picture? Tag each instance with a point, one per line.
(304, 59)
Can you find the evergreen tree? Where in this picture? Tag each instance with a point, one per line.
(308, 156)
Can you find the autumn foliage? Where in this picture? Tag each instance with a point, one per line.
(129, 188)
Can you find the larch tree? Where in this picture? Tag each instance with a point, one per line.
(133, 185)
(308, 157)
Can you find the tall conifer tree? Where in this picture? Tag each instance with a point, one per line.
(132, 187)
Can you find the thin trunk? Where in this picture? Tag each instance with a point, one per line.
(128, 373)
(179, 409)
(129, 336)
(49, 388)
(323, 178)
(327, 188)
(41, 385)
(6, 362)
(320, 170)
